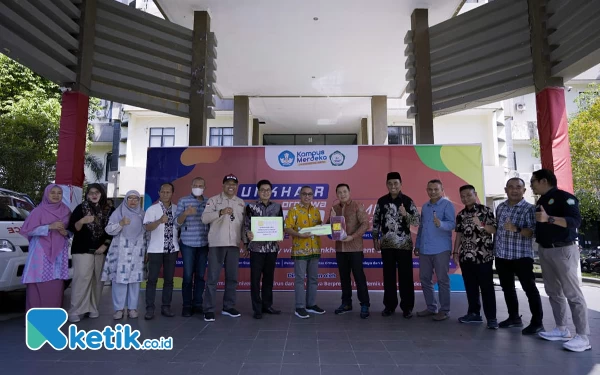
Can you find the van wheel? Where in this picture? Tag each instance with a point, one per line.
(67, 283)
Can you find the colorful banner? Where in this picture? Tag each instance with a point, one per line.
(289, 168)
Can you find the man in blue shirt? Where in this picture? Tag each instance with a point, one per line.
(194, 246)
(434, 246)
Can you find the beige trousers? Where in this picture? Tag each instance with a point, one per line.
(86, 288)
(559, 271)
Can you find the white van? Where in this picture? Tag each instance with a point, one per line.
(14, 208)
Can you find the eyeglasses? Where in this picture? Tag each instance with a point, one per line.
(265, 190)
(133, 198)
(306, 194)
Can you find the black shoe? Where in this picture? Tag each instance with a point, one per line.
(257, 316)
(407, 314)
(166, 311)
(231, 312)
(511, 322)
(343, 309)
(149, 314)
(387, 312)
(302, 314)
(187, 312)
(271, 311)
(532, 329)
(315, 310)
(197, 310)
(209, 317)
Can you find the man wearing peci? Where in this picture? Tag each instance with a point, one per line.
(394, 214)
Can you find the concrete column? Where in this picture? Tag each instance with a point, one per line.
(241, 126)
(364, 131)
(379, 119)
(255, 132)
(199, 88)
(424, 106)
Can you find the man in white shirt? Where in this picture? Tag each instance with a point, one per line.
(225, 215)
(163, 249)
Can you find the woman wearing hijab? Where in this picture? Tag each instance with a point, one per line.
(124, 265)
(90, 242)
(48, 260)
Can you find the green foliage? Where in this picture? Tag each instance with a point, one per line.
(535, 148)
(28, 153)
(30, 108)
(589, 206)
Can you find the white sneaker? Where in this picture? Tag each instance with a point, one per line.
(556, 335)
(578, 344)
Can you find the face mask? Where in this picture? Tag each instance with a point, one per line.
(197, 191)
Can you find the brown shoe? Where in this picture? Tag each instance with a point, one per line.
(425, 313)
(440, 316)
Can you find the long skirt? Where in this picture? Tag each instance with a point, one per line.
(45, 294)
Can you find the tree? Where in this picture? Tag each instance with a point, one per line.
(30, 108)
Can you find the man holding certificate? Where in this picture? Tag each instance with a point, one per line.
(350, 218)
(263, 226)
(306, 251)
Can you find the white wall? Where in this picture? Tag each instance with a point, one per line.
(133, 166)
(468, 127)
(525, 159)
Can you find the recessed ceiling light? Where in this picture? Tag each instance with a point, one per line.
(315, 18)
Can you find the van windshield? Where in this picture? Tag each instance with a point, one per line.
(14, 209)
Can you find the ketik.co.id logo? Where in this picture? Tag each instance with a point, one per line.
(43, 325)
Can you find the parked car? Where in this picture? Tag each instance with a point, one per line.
(14, 209)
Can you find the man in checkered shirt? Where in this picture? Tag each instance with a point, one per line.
(514, 256)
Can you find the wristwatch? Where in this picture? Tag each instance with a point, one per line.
(551, 220)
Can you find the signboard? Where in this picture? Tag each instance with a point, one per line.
(364, 168)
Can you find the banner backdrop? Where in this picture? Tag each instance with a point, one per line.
(289, 168)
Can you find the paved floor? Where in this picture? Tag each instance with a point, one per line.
(326, 344)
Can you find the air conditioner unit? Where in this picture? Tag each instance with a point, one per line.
(520, 107)
(537, 167)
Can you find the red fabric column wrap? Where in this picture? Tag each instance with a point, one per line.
(553, 130)
(71, 139)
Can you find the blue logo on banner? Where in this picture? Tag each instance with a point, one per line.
(286, 158)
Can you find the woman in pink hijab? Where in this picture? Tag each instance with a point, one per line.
(48, 260)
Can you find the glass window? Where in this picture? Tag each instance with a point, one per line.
(162, 137)
(221, 137)
(14, 209)
(400, 135)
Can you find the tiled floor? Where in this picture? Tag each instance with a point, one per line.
(326, 344)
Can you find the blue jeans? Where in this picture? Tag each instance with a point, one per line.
(194, 266)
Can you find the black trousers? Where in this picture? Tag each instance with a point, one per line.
(352, 262)
(262, 265)
(155, 261)
(523, 269)
(480, 277)
(402, 261)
